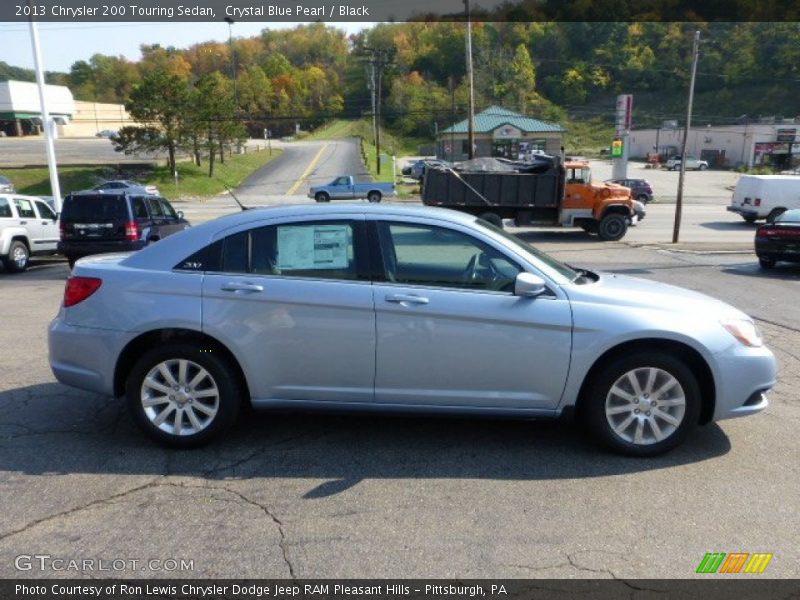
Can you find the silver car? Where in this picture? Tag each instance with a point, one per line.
(397, 309)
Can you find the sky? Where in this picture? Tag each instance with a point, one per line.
(65, 43)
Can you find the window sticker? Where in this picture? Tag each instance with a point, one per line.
(313, 247)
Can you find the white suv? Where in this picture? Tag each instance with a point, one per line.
(674, 163)
(28, 227)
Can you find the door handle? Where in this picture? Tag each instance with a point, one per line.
(23, 222)
(406, 299)
(242, 287)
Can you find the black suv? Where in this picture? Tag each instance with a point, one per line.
(95, 223)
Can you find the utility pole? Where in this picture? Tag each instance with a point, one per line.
(679, 200)
(378, 59)
(471, 105)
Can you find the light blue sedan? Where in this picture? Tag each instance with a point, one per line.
(397, 309)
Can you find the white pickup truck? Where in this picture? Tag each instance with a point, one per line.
(674, 163)
(345, 187)
(28, 227)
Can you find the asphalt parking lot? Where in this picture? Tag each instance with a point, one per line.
(341, 496)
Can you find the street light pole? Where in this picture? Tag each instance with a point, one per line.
(679, 201)
(55, 188)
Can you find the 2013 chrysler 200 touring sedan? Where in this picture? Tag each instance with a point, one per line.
(389, 308)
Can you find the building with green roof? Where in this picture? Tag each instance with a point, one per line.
(502, 133)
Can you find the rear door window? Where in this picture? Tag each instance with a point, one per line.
(139, 208)
(25, 208)
(5, 209)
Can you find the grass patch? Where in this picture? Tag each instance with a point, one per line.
(587, 137)
(193, 181)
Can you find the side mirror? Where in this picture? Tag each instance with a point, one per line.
(180, 214)
(528, 285)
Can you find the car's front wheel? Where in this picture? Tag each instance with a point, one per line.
(643, 404)
(183, 396)
(612, 227)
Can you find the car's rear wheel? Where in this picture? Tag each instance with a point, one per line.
(766, 263)
(183, 396)
(18, 257)
(374, 196)
(643, 404)
(612, 227)
(322, 197)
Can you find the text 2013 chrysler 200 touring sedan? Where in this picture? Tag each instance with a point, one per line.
(388, 308)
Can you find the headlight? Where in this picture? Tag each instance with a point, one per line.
(745, 331)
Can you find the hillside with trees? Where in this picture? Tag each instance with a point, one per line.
(554, 71)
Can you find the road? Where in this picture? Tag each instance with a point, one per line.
(342, 496)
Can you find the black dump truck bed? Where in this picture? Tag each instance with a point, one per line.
(537, 187)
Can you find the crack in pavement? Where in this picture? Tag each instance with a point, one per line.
(624, 582)
(76, 509)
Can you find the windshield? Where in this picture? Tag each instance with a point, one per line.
(559, 267)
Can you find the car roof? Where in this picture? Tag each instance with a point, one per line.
(175, 248)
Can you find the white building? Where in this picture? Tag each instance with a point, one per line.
(21, 110)
(752, 144)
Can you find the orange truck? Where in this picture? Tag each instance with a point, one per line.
(545, 193)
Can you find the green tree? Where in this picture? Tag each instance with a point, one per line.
(523, 76)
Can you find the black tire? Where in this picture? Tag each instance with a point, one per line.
(492, 218)
(322, 197)
(774, 214)
(640, 363)
(749, 218)
(703, 167)
(220, 371)
(612, 227)
(19, 257)
(766, 263)
(374, 196)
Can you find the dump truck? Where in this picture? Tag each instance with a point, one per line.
(546, 192)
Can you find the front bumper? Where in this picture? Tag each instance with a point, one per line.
(743, 378)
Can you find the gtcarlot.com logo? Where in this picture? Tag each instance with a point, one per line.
(735, 562)
(47, 562)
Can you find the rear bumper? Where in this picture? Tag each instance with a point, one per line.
(745, 212)
(85, 357)
(85, 248)
(778, 250)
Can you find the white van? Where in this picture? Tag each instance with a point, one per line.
(765, 196)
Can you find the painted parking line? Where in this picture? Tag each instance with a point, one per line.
(307, 172)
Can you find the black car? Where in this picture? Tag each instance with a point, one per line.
(779, 240)
(641, 189)
(96, 223)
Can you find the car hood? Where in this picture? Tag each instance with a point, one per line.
(625, 291)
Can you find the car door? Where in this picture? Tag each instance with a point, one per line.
(295, 301)
(160, 226)
(29, 220)
(49, 226)
(172, 223)
(343, 189)
(450, 332)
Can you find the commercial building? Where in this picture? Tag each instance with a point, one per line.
(502, 133)
(21, 110)
(768, 142)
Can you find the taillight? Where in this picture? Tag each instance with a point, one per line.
(778, 233)
(61, 230)
(758, 202)
(79, 289)
(131, 230)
